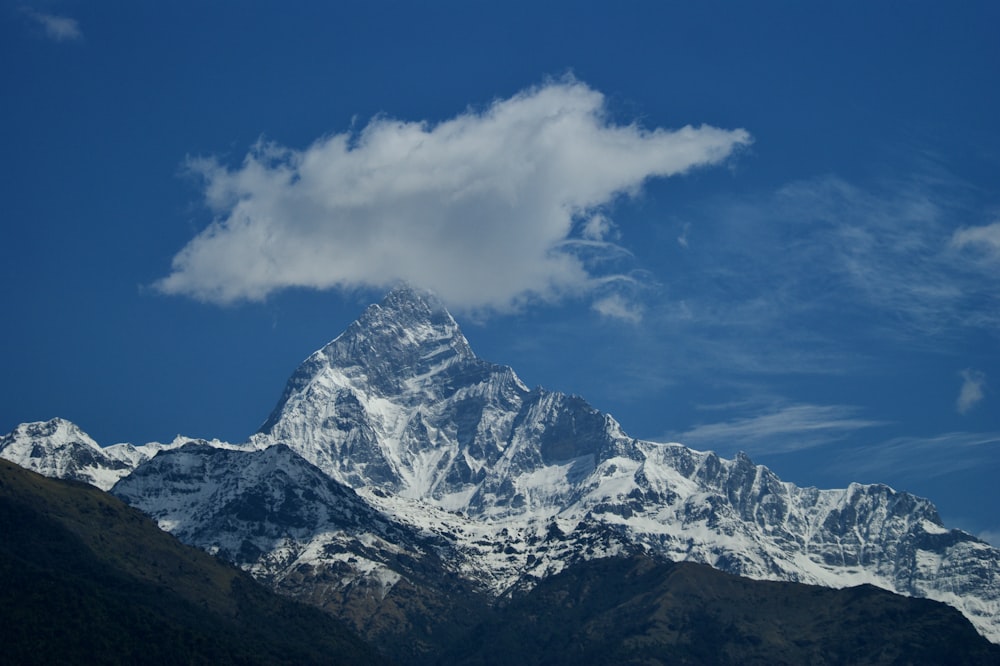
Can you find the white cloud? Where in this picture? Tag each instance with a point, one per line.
(971, 393)
(598, 227)
(617, 307)
(780, 429)
(984, 240)
(58, 28)
(487, 209)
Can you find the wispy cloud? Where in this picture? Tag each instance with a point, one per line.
(57, 28)
(887, 262)
(780, 429)
(488, 209)
(921, 457)
(682, 238)
(971, 393)
(991, 537)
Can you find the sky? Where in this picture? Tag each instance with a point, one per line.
(771, 227)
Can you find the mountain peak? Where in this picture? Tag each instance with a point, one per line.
(57, 429)
(409, 335)
(59, 448)
(405, 298)
(409, 332)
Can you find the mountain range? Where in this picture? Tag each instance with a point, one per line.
(86, 579)
(401, 477)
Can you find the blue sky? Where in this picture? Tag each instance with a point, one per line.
(770, 227)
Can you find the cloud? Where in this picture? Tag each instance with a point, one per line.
(682, 239)
(983, 241)
(817, 253)
(921, 457)
(991, 537)
(57, 28)
(780, 429)
(971, 393)
(489, 209)
(820, 277)
(616, 306)
(598, 227)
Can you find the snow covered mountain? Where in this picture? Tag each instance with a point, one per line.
(59, 449)
(459, 469)
(399, 408)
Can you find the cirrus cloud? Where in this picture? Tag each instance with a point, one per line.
(57, 28)
(782, 428)
(488, 209)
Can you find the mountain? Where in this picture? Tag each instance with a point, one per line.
(405, 592)
(368, 408)
(59, 449)
(525, 481)
(86, 579)
(396, 459)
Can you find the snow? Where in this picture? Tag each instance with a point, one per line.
(932, 528)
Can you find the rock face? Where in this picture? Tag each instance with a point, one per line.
(475, 474)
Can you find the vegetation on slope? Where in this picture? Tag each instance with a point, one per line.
(86, 579)
(640, 611)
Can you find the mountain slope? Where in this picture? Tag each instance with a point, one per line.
(640, 611)
(87, 579)
(307, 536)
